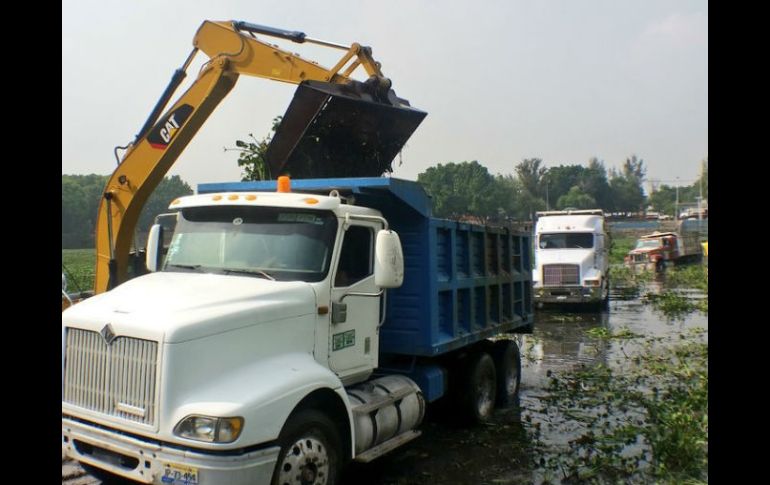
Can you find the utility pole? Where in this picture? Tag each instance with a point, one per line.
(676, 206)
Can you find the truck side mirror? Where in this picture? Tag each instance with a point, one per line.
(154, 241)
(388, 260)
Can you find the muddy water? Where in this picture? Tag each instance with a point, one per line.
(499, 452)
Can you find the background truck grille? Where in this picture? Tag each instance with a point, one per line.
(640, 258)
(117, 379)
(561, 274)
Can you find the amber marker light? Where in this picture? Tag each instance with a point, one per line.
(251, 197)
(233, 197)
(217, 197)
(310, 201)
(284, 184)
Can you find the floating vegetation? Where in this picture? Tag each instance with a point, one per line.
(672, 304)
(604, 333)
(647, 423)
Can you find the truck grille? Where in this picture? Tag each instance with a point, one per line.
(118, 379)
(640, 258)
(561, 274)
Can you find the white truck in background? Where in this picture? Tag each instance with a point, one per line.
(571, 258)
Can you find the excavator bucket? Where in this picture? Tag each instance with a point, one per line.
(340, 130)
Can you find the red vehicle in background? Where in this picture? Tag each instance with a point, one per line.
(653, 252)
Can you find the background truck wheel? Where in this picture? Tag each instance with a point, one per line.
(311, 451)
(606, 300)
(478, 386)
(507, 359)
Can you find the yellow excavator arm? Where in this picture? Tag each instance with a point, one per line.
(233, 50)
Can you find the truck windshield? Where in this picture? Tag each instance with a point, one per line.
(567, 240)
(648, 243)
(264, 242)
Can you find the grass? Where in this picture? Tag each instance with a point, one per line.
(78, 266)
(620, 247)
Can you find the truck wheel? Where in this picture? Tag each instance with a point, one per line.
(508, 366)
(311, 451)
(479, 386)
(606, 300)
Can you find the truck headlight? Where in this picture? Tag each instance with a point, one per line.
(210, 429)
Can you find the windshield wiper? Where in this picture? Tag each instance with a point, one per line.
(193, 267)
(248, 271)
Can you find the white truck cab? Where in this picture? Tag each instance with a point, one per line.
(264, 301)
(571, 258)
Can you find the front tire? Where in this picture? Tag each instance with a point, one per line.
(311, 451)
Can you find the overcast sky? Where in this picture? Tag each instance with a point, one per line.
(561, 80)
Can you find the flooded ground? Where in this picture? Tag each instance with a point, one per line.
(501, 451)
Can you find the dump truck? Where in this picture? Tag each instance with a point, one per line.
(290, 327)
(571, 258)
(656, 251)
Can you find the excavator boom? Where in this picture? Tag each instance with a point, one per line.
(347, 115)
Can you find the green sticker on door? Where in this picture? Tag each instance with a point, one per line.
(344, 339)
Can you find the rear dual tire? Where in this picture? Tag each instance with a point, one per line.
(487, 379)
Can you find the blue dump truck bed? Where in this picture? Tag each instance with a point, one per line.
(462, 283)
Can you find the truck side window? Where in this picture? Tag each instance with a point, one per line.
(356, 257)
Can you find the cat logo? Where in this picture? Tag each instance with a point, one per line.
(163, 132)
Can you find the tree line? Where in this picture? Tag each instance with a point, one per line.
(459, 190)
(80, 198)
(468, 189)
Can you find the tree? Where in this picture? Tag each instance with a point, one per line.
(252, 155)
(531, 176)
(74, 227)
(663, 199)
(167, 190)
(560, 180)
(626, 186)
(703, 180)
(577, 199)
(82, 194)
(594, 182)
(517, 203)
(465, 189)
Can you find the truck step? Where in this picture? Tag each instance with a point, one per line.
(387, 446)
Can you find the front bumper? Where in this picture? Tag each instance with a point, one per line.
(643, 266)
(151, 463)
(567, 294)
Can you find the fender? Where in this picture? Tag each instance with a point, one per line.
(264, 393)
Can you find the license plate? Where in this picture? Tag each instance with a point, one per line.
(179, 475)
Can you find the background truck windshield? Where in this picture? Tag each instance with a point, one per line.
(648, 243)
(283, 244)
(569, 240)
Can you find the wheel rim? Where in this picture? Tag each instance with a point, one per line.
(486, 393)
(306, 462)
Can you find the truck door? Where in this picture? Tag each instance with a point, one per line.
(353, 342)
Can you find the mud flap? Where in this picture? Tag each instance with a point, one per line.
(336, 130)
